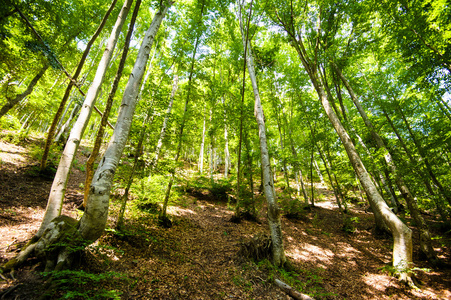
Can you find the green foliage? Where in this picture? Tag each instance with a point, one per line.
(149, 191)
(220, 189)
(349, 224)
(9, 122)
(79, 166)
(292, 208)
(78, 284)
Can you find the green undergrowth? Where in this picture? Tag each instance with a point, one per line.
(204, 188)
(79, 284)
(307, 281)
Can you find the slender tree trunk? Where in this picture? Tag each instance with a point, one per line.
(297, 168)
(202, 145)
(58, 188)
(402, 235)
(318, 171)
(389, 193)
(275, 225)
(250, 170)
(52, 129)
(212, 154)
(94, 219)
(138, 153)
(11, 102)
(226, 145)
(165, 121)
(425, 237)
(334, 188)
(64, 229)
(109, 104)
(65, 128)
(312, 187)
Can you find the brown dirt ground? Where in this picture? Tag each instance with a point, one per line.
(197, 258)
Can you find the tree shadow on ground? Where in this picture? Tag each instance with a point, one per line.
(354, 265)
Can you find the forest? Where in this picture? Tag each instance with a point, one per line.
(200, 149)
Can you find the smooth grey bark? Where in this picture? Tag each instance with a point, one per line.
(77, 72)
(109, 104)
(402, 235)
(58, 189)
(275, 226)
(425, 236)
(94, 219)
(212, 148)
(297, 168)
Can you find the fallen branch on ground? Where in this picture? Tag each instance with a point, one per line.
(291, 291)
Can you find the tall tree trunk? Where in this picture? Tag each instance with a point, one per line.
(425, 237)
(297, 168)
(282, 144)
(92, 224)
(402, 235)
(312, 187)
(58, 188)
(202, 144)
(212, 147)
(11, 102)
(165, 121)
(250, 170)
(226, 144)
(52, 129)
(109, 104)
(334, 188)
(94, 219)
(138, 153)
(275, 226)
(240, 141)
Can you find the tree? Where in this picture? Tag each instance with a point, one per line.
(109, 104)
(63, 229)
(58, 189)
(278, 254)
(425, 237)
(72, 82)
(288, 18)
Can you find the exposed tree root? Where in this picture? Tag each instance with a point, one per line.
(258, 248)
(56, 247)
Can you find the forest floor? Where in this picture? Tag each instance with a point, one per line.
(197, 258)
